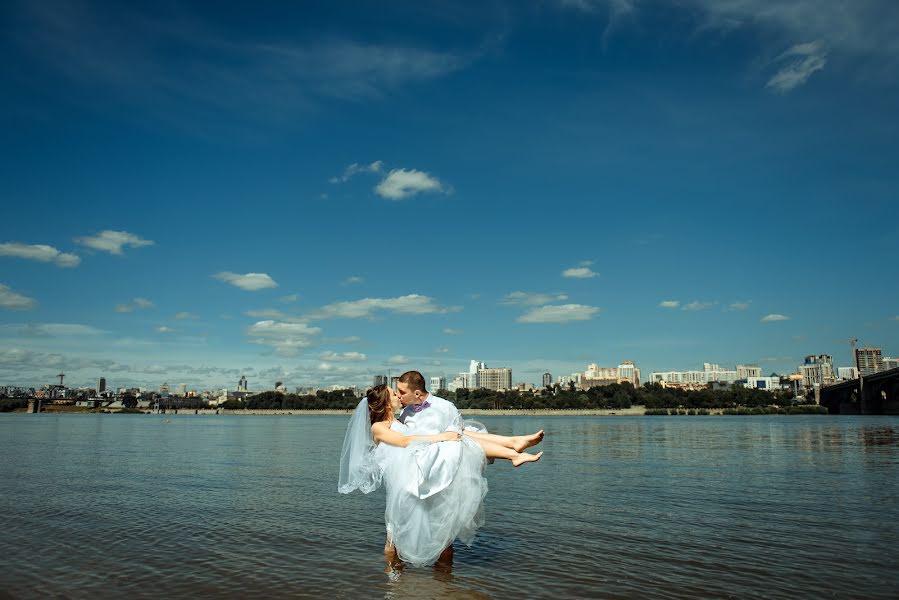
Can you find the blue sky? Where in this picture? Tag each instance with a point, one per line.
(319, 192)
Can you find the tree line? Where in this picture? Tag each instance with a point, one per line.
(607, 397)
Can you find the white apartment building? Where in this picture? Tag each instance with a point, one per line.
(495, 379)
(710, 372)
(847, 373)
(437, 383)
(817, 370)
(747, 371)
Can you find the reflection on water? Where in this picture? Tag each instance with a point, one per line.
(619, 507)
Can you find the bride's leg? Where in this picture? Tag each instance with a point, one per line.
(518, 443)
(494, 450)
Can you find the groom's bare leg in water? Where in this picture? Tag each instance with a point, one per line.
(519, 443)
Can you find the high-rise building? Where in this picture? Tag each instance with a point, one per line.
(747, 371)
(473, 368)
(817, 370)
(847, 373)
(437, 383)
(379, 380)
(181, 389)
(890, 363)
(868, 361)
(242, 384)
(495, 379)
(101, 385)
(547, 379)
(628, 372)
(164, 388)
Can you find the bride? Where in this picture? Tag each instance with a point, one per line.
(435, 483)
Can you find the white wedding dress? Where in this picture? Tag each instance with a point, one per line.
(435, 494)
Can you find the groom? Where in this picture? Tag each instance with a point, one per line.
(424, 412)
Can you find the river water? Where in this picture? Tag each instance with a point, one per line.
(619, 507)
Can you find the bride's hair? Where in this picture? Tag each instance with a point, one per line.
(378, 403)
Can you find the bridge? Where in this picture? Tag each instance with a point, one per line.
(876, 394)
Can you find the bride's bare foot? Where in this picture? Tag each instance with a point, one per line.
(524, 457)
(523, 442)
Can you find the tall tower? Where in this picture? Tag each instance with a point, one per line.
(61, 376)
(101, 385)
(869, 361)
(242, 384)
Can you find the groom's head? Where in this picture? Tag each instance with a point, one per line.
(411, 388)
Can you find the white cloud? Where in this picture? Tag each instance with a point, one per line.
(352, 280)
(285, 338)
(442, 350)
(248, 281)
(774, 317)
(583, 271)
(404, 183)
(355, 169)
(532, 298)
(289, 299)
(59, 330)
(11, 300)
(267, 313)
(397, 359)
(349, 339)
(740, 305)
(184, 315)
(796, 65)
(697, 305)
(39, 252)
(165, 329)
(669, 304)
(343, 356)
(412, 304)
(451, 331)
(561, 313)
(113, 241)
(137, 303)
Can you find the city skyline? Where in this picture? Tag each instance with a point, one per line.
(316, 194)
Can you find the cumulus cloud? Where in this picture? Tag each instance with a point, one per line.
(669, 304)
(39, 252)
(248, 281)
(184, 315)
(59, 330)
(697, 305)
(411, 304)
(405, 183)
(796, 65)
(136, 304)
(739, 305)
(352, 280)
(561, 313)
(532, 298)
(113, 241)
(774, 317)
(355, 168)
(349, 339)
(582, 271)
(286, 339)
(165, 329)
(343, 356)
(11, 300)
(397, 359)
